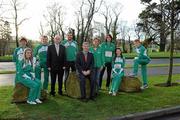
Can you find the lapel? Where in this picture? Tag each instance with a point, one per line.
(59, 49)
(83, 57)
(87, 57)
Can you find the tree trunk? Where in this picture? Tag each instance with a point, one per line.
(172, 46)
(162, 42)
(17, 43)
(124, 46)
(130, 45)
(16, 26)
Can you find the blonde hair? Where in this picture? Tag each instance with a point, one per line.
(24, 55)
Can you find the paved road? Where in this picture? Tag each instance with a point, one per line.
(7, 66)
(168, 117)
(156, 61)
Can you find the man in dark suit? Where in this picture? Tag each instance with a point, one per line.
(84, 65)
(56, 58)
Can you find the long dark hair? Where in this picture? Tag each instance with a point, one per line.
(109, 36)
(116, 54)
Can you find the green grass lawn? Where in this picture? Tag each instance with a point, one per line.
(153, 54)
(65, 108)
(6, 58)
(8, 72)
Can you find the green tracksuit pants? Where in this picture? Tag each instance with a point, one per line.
(46, 74)
(116, 82)
(143, 64)
(34, 88)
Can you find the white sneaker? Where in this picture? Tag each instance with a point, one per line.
(31, 102)
(110, 92)
(114, 94)
(38, 101)
(144, 87)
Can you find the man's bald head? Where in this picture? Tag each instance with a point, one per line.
(57, 39)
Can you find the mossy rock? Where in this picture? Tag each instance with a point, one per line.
(73, 86)
(130, 84)
(44, 95)
(21, 93)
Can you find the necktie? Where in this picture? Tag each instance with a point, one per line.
(85, 56)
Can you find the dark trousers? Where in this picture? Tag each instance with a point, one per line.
(95, 80)
(83, 79)
(69, 64)
(109, 68)
(54, 74)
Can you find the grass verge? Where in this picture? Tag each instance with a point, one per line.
(105, 106)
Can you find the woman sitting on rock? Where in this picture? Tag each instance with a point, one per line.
(117, 71)
(26, 77)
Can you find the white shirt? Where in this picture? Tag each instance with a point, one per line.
(57, 49)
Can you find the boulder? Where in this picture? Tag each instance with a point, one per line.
(130, 84)
(21, 93)
(73, 86)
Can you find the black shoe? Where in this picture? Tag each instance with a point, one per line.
(61, 94)
(92, 98)
(83, 99)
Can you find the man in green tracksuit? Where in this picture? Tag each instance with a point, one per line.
(141, 59)
(40, 53)
(108, 49)
(71, 51)
(18, 53)
(96, 50)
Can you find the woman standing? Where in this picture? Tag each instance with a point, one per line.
(108, 48)
(26, 77)
(117, 72)
(141, 59)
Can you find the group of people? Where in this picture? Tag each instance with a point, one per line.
(63, 57)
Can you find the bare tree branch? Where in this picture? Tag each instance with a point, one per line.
(22, 21)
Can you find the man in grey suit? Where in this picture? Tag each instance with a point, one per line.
(84, 65)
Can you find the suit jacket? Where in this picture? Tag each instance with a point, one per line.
(81, 64)
(54, 61)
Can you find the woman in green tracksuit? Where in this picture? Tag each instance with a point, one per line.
(108, 48)
(26, 77)
(141, 59)
(40, 53)
(18, 53)
(96, 50)
(117, 72)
